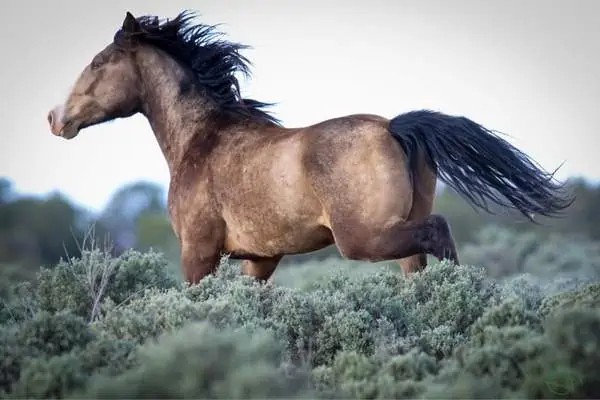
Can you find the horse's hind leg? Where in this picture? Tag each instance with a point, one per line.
(422, 205)
(430, 235)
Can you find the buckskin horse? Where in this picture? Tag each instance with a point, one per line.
(244, 185)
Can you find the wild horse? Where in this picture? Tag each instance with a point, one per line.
(243, 184)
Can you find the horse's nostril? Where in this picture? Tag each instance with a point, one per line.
(50, 117)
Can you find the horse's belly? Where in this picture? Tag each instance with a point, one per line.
(271, 238)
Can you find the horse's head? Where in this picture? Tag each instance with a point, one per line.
(106, 89)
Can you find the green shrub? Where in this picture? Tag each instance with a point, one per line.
(511, 312)
(574, 336)
(82, 284)
(147, 317)
(53, 334)
(200, 361)
(11, 360)
(506, 252)
(52, 354)
(19, 304)
(124, 327)
(354, 375)
(351, 311)
(51, 377)
(587, 297)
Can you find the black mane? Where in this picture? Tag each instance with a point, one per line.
(213, 60)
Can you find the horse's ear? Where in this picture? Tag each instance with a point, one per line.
(130, 24)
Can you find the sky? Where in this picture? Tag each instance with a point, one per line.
(528, 69)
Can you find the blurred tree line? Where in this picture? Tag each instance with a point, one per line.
(37, 231)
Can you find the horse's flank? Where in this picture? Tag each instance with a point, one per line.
(243, 184)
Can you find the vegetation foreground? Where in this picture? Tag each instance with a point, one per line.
(104, 327)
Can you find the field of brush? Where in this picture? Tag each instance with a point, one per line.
(519, 318)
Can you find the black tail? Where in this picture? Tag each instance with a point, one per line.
(476, 163)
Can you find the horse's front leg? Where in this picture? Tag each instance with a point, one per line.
(200, 253)
(197, 266)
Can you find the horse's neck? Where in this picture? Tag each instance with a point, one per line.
(175, 119)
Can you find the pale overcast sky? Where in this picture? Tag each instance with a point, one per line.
(528, 68)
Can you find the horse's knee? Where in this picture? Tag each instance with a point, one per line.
(440, 227)
(439, 240)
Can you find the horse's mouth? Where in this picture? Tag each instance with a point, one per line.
(69, 134)
(67, 131)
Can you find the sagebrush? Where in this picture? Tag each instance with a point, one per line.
(331, 329)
